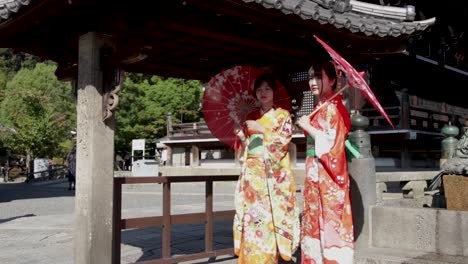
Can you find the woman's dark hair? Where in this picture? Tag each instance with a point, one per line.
(268, 78)
(329, 69)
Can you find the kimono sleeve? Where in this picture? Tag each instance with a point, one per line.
(330, 143)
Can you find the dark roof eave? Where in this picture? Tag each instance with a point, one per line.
(356, 16)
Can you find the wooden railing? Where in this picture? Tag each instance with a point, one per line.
(166, 220)
(196, 129)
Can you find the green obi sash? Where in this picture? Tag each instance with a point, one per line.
(352, 150)
(255, 147)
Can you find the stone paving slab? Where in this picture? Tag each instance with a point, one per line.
(399, 256)
(49, 239)
(37, 239)
(37, 221)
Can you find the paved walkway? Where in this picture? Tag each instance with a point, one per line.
(36, 225)
(36, 222)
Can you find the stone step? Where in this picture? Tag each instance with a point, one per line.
(399, 256)
(434, 231)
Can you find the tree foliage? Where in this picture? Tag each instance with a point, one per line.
(40, 110)
(145, 102)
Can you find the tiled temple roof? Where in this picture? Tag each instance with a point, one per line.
(355, 16)
(7, 7)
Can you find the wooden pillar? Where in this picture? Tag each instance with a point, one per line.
(94, 164)
(405, 156)
(195, 156)
(166, 232)
(209, 216)
(405, 121)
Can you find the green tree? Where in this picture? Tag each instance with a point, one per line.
(3, 82)
(11, 63)
(41, 111)
(145, 101)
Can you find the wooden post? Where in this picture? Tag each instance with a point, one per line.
(209, 216)
(94, 159)
(166, 246)
(405, 156)
(117, 228)
(405, 121)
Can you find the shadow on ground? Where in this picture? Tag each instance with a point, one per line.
(16, 217)
(18, 191)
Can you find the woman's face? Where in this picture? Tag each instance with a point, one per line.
(265, 94)
(320, 85)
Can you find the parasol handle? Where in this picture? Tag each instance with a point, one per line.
(328, 100)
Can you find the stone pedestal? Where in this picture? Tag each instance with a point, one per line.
(363, 182)
(363, 196)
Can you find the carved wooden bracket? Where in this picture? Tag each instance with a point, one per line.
(112, 95)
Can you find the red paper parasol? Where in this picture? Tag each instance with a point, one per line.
(354, 79)
(229, 97)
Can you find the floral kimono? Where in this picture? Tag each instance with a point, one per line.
(327, 224)
(267, 213)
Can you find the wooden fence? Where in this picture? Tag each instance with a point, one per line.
(167, 219)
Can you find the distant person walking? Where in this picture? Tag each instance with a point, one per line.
(128, 162)
(3, 173)
(71, 175)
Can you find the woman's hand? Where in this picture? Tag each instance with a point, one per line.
(237, 129)
(239, 132)
(254, 125)
(303, 122)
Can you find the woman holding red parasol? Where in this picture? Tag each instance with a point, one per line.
(266, 224)
(327, 224)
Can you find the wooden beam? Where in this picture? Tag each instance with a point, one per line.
(193, 73)
(225, 38)
(219, 50)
